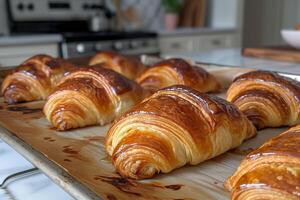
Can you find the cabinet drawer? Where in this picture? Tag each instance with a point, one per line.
(176, 44)
(211, 42)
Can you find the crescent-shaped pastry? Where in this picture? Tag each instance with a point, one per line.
(125, 65)
(177, 72)
(268, 99)
(34, 79)
(89, 96)
(270, 172)
(174, 127)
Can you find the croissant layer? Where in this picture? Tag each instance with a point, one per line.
(34, 79)
(173, 127)
(125, 65)
(177, 72)
(270, 172)
(91, 95)
(268, 99)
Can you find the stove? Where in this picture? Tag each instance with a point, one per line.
(87, 26)
(87, 44)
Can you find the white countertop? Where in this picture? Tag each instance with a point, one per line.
(30, 39)
(32, 186)
(56, 38)
(233, 57)
(193, 31)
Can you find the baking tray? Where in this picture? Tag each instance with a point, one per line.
(76, 159)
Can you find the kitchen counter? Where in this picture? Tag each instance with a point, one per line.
(228, 57)
(233, 57)
(195, 31)
(27, 182)
(30, 39)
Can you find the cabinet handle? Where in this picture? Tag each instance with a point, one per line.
(216, 42)
(175, 45)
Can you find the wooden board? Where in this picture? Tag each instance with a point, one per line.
(80, 154)
(274, 53)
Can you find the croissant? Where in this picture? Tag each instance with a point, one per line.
(177, 72)
(125, 65)
(270, 172)
(268, 99)
(91, 95)
(174, 127)
(34, 79)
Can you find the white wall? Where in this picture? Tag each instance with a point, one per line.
(224, 13)
(265, 18)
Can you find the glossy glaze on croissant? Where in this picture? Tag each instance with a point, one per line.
(270, 172)
(174, 127)
(125, 65)
(177, 72)
(91, 95)
(34, 79)
(268, 99)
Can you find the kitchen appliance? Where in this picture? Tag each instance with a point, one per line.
(84, 24)
(86, 44)
(4, 30)
(45, 16)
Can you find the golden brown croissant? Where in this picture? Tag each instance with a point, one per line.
(270, 172)
(91, 95)
(177, 72)
(268, 99)
(125, 65)
(174, 127)
(34, 79)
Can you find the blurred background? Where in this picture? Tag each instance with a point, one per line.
(75, 28)
(80, 28)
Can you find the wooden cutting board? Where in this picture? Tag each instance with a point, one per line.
(274, 53)
(81, 156)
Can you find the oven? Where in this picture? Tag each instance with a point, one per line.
(132, 43)
(86, 26)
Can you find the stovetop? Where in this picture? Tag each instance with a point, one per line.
(106, 35)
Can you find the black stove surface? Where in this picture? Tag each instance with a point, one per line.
(106, 35)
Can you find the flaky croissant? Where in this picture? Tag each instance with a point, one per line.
(268, 99)
(174, 127)
(34, 79)
(177, 72)
(270, 172)
(91, 95)
(125, 65)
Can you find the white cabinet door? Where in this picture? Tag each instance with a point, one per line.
(176, 44)
(202, 42)
(15, 54)
(209, 42)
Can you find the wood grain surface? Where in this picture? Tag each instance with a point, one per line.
(273, 53)
(81, 154)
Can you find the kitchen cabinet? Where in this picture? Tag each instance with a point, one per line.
(200, 42)
(176, 44)
(15, 54)
(16, 49)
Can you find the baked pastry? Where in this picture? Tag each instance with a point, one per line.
(270, 172)
(268, 99)
(34, 79)
(174, 127)
(89, 96)
(177, 72)
(125, 65)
